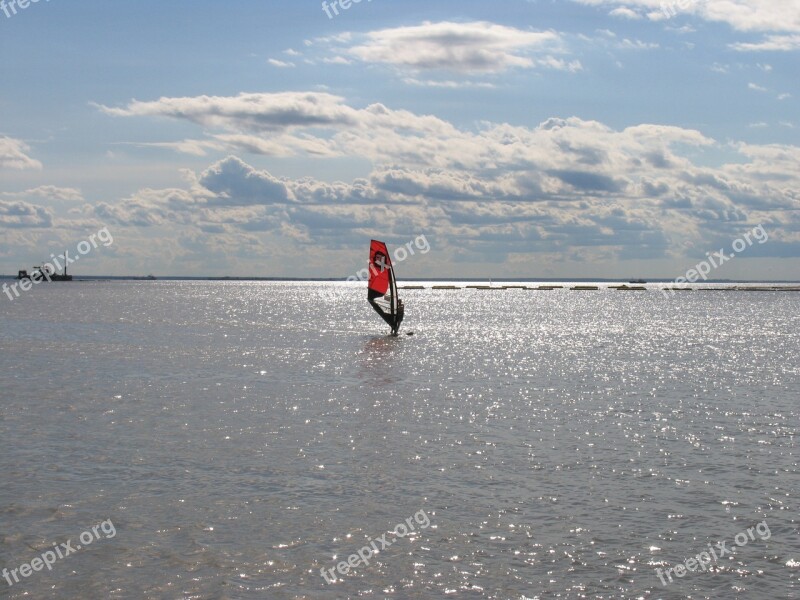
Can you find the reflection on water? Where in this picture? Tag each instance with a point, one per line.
(376, 360)
(563, 444)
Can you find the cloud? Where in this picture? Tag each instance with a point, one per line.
(772, 43)
(193, 147)
(47, 192)
(246, 112)
(337, 60)
(148, 207)
(625, 13)
(475, 47)
(24, 215)
(280, 63)
(627, 44)
(760, 16)
(583, 181)
(447, 84)
(236, 183)
(565, 184)
(493, 186)
(13, 155)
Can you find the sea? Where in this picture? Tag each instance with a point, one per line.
(226, 440)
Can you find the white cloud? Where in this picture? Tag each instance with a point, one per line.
(625, 13)
(247, 112)
(337, 60)
(476, 47)
(627, 44)
(772, 43)
(280, 63)
(24, 215)
(742, 15)
(13, 155)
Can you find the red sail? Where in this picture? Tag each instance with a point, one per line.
(380, 264)
(382, 287)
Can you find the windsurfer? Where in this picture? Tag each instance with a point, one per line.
(382, 287)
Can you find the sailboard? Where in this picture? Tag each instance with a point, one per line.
(382, 286)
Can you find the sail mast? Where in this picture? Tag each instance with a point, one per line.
(393, 288)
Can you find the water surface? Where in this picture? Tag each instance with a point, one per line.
(243, 436)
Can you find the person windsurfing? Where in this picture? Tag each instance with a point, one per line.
(382, 287)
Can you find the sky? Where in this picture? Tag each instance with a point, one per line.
(521, 138)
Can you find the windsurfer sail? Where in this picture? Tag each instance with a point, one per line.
(382, 287)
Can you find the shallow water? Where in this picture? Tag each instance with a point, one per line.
(243, 436)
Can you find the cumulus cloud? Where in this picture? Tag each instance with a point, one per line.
(236, 183)
(568, 185)
(475, 47)
(13, 155)
(150, 207)
(24, 215)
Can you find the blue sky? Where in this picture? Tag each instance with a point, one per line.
(576, 138)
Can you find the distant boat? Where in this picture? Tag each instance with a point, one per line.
(637, 281)
(382, 287)
(46, 273)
